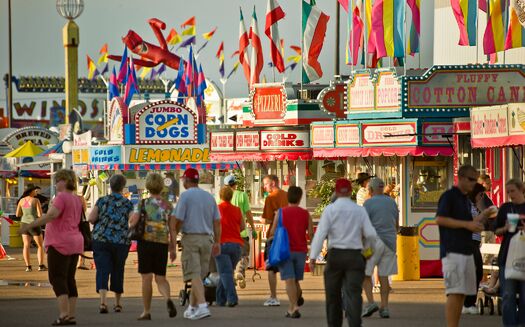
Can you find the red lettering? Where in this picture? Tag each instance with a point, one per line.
(450, 92)
(438, 92)
(490, 94)
(426, 95)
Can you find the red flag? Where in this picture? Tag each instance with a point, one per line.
(274, 13)
(256, 61)
(243, 48)
(189, 22)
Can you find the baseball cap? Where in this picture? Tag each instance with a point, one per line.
(191, 173)
(230, 180)
(343, 185)
(376, 183)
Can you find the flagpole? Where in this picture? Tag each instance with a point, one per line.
(223, 106)
(477, 33)
(506, 21)
(487, 57)
(106, 132)
(337, 36)
(406, 41)
(350, 28)
(365, 43)
(302, 50)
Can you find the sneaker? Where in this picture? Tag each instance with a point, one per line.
(42, 268)
(239, 280)
(200, 313)
(272, 302)
(188, 312)
(376, 290)
(29, 269)
(369, 309)
(384, 313)
(473, 310)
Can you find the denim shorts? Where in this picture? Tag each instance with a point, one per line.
(293, 268)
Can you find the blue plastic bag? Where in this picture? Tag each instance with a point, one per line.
(280, 249)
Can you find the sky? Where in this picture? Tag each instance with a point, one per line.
(37, 34)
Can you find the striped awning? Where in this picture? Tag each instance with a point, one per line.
(127, 167)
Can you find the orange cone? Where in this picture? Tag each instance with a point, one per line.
(3, 254)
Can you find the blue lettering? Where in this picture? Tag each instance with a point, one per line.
(150, 131)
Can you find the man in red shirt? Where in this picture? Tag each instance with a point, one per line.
(276, 199)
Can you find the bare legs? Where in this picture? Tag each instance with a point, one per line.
(197, 293)
(293, 289)
(272, 281)
(385, 290)
(27, 245)
(67, 306)
(453, 309)
(147, 290)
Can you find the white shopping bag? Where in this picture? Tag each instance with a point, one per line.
(515, 265)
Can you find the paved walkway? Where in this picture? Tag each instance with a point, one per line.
(412, 303)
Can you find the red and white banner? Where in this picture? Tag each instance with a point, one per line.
(347, 135)
(285, 140)
(323, 136)
(256, 62)
(268, 103)
(247, 141)
(244, 41)
(388, 133)
(388, 92)
(437, 133)
(222, 141)
(274, 13)
(361, 93)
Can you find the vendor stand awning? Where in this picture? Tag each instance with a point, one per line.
(415, 151)
(127, 167)
(261, 156)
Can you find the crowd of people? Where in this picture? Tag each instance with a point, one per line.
(361, 239)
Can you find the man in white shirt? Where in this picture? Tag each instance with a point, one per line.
(345, 224)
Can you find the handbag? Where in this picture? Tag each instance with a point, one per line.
(85, 230)
(280, 249)
(515, 264)
(136, 232)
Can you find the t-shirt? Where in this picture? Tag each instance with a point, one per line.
(454, 204)
(295, 220)
(112, 223)
(274, 201)
(475, 212)
(384, 214)
(197, 209)
(230, 223)
(501, 220)
(158, 212)
(362, 195)
(240, 199)
(62, 233)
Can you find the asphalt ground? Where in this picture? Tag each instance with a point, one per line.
(26, 299)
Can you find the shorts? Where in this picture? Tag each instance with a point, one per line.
(153, 257)
(35, 231)
(384, 258)
(267, 247)
(459, 272)
(196, 254)
(293, 268)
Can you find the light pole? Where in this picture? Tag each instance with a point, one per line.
(70, 9)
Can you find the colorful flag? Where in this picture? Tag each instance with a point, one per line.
(415, 27)
(123, 70)
(92, 68)
(256, 62)
(131, 83)
(494, 37)
(244, 41)
(516, 31)
(274, 13)
(105, 69)
(355, 37)
(466, 13)
(314, 30)
(189, 22)
(190, 31)
(103, 54)
(236, 53)
(344, 4)
(482, 5)
(296, 48)
(180, 83)
(173, 38)
(220, 56)
(190, 73)
(201, 86)
(145, 72)
(113, 85)
(234, 69)
(208, 36)
(190, 40)
(388, 28)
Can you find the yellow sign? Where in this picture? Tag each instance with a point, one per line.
(80, 156)
(155, 155)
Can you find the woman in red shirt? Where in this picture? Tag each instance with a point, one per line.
(298, 223)
(232, 224)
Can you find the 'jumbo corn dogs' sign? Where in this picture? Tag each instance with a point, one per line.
(164, 122)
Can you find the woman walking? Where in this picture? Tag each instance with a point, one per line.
(63, 243)
(29, 209)
(232, 223)
(513, 310)
(298, 224)
(159, 237)
(110, 241)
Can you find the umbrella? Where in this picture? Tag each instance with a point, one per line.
(57, 148)
(26, 150)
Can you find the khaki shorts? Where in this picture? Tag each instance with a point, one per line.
(384, 258)
(459, 272)
(196, 254)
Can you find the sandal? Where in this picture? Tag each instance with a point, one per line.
(294, 315)
(103, 308)
(72, 320)
(61, 321)
(147, 316)
(172, 311)
(117, 308)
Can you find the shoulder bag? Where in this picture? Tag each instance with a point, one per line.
(85, 230)
(137, 231)
(280, 249)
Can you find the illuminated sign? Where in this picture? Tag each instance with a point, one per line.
(388, 92)
(285, 140)
(268, 103)
(162, 154)
(389, 134)
(361, 93)
(164, 122)
(38, 135)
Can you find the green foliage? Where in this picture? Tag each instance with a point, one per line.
(323, 190)
(239, 176)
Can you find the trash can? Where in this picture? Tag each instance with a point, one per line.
(15, 240)
(408, 254)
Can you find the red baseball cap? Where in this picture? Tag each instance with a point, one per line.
(191, 173)
(343, 185)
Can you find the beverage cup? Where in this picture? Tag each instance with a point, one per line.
(513, 219)
(493, 211)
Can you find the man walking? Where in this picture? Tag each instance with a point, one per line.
(276, 199)
(456, 225)
(345, 224)
(240, 199)
(384, 216)
(198, 218)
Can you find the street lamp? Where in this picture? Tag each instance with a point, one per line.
(70, 9)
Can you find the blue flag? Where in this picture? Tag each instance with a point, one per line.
(113, 85)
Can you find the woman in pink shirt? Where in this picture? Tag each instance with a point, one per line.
(63, 242)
